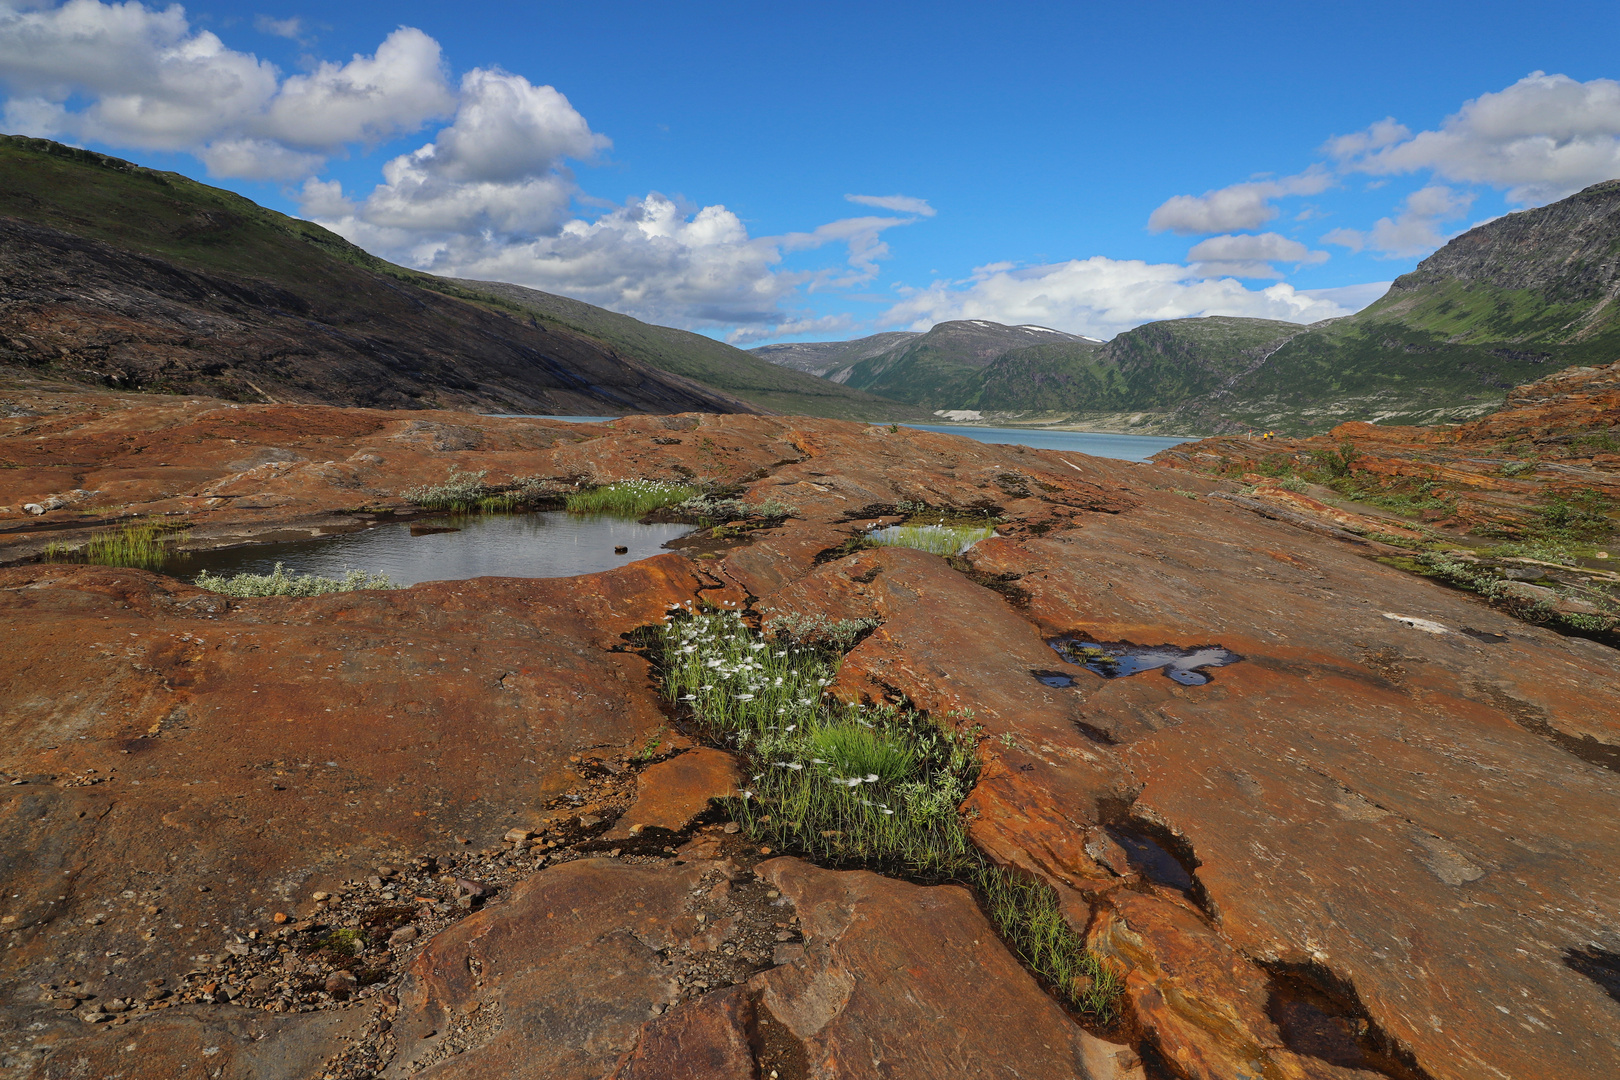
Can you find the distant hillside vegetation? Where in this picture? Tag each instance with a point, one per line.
(713, 363)
(1501, 305)
(1142, 369)
(942, 368)
(130, 277)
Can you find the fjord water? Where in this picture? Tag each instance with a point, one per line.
(540, 545)
(1096, 443)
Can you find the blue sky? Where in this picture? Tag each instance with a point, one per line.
(1085, 166)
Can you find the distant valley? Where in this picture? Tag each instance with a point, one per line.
(1501, 305)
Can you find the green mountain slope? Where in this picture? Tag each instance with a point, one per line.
(942, 368)
(116, 274)
(1171, 361)
(712, 363)
(1501, 305)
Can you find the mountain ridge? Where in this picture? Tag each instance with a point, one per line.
(140, 279)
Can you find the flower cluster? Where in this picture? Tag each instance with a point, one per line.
(846, 783)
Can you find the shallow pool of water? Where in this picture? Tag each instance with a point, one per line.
(1118, 659)
(541, 545)
(1095, 443)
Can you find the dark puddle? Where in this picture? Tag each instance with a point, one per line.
(1321, 1017)
(1117, 659)
(1150, 858)
(530, 545)
(1599, 965)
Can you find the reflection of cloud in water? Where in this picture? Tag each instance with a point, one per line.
(546, 544)
(1113, 660)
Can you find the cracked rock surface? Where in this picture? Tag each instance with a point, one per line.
(1383, 842)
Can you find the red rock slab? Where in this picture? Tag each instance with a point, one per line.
(1410, 810)
(671, 794)
(555, 981)
(227, 1042)
(900, 981)
(170, 741)
(1205, 1003)
(704, 1038)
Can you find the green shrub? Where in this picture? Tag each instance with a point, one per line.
(1581, 516)
(461, 492)
(629, 498)
(145, 547)
(710, 508)
(1336, 463)
(281, 583)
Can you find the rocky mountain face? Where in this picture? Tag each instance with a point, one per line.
(458, 830)
(820, 357)
(1567, 253)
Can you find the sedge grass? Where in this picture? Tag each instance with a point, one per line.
(1030, 918)
(854, 786)
(934, 539)
(281, 583)
(144, 547)
(630, 498)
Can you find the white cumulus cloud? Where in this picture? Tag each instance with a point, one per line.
(1542, 138)
(1237, 207)
(1250, 256)
(1415, 230)
(1101, 297)
(149, 80)
(497, 172)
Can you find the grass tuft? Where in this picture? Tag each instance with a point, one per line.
(281, 583)
(144, 547)
(847, 785)
(630, 498)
